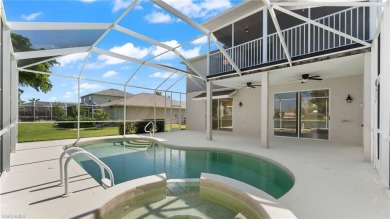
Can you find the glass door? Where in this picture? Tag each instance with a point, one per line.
(285, 114)
(303, 114)
(314, 116)
(222, 114)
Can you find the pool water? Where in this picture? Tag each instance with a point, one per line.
(139, 158)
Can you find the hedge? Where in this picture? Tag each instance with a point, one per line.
(90, 122)
(137, 127)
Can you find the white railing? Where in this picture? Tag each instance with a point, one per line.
(64, 179)
(153, 128)
(301, 40)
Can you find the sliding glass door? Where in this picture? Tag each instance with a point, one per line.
(285, 114)
(222, 114)
(314, 114)
(303, 114)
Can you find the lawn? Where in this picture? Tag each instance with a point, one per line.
(47, 131)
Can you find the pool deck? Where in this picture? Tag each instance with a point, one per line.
(331, 180)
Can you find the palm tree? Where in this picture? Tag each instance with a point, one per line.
(34, 101)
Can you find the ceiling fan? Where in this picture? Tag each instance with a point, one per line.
(250, 85)
(306, 77)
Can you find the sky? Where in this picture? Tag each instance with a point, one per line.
(145, 18)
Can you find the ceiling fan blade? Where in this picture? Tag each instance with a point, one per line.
(316, 79)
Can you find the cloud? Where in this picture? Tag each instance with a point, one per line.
(109, 74)
(68, 94)
(121, 4)
(200, 41)
(163, 75)
(53, 98)
(190, 53)
(83, 87)
(31, 17)
(158, 18)
(200, 8)
(65, 60)
(88, 1)
(138, 7)
(127, 49)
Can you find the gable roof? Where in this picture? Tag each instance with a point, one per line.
(146, 100)
(110, 92)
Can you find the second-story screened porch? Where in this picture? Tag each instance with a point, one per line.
(253, 41)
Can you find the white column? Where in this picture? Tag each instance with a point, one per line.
(6, 94)
(14, 104)
(385, 89)
(265, 34)
(209, 110)
(264, 109)
(367, 107)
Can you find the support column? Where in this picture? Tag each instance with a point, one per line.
(6, 114)
(209, 110)
(265, 34)
(264, 109)
(367, 107)
(14, 105)
(385, 89)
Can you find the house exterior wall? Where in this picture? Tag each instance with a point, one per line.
(141, 113)
(345, 118)
(98, 99)
(196, 113)
(246, 119)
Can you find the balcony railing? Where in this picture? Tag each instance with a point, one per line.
(300, 40)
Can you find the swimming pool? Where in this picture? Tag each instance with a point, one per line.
(134, 158)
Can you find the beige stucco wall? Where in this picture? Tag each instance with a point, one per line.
(246, 119)
(140, 113)
(196, 113)
(345, 118)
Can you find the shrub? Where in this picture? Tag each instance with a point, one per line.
(138, 127)
(71, 122)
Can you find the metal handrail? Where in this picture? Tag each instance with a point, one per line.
(151, 134)
(61, 158)
(102, 166)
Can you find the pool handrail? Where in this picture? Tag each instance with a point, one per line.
(62, 157)
(153, 129)
(102, 166)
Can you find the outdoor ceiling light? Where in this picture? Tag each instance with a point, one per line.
(246, 30)
(349, 99)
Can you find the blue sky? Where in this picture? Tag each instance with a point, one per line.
(145, 18)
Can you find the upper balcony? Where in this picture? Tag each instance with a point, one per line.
(253, 42)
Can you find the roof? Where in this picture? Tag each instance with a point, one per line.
(146, 100)
(47, 104)
(216, 95)
(110, 92)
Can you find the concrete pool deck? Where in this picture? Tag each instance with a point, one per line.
(332, 180)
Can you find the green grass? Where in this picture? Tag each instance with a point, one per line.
(174, 126)
(28, 132)
(46, 131)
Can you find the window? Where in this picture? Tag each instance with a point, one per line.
(222, 114)
(303, 114)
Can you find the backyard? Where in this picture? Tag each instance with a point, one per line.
(28, 132)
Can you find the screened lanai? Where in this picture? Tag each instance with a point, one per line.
(132, 46)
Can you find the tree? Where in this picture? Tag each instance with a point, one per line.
(101, 115)
(59, 111)
(39, 82)
(159, 93)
